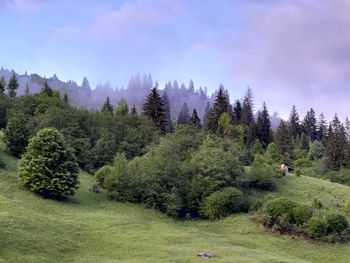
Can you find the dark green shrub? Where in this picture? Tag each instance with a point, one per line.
(298, 172)
(222, 203)
(16, 134)
(278, 211)
(317, 203)
(341, 177)
(337, 224)
(260, 177)
(317, 227)
(331, 227)
(2, 164)
(301, 215)
(49, 167)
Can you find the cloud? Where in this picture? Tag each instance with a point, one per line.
(22, 6)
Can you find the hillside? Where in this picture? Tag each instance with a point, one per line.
(91, 228)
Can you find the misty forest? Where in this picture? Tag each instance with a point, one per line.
(170, 172)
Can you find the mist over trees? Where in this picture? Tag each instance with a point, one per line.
(139, 86)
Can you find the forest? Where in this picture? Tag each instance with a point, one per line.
(209, 167)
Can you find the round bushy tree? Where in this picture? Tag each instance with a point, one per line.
(49, 167)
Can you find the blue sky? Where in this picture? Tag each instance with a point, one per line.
(288, 51)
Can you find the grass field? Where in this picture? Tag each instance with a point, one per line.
(91, 228)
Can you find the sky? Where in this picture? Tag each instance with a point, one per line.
(288, 51)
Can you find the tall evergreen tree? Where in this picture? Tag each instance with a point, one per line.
(247, 108)
(27, 91)
(206, 114)
(347, 130)
(321, 128)
(310, 124)
(167, 112)
(65, 98)
(294, 123)
(107, 106)
(47, 90)
(153, 108)
(283, 140)
(195, 120)
(12, 86)
(2, 85)
(237, 113)
(335, 144)
(121, 108)
(304, 142)
(264, 132)
(221, 105)
(133, 110)
(183, 115)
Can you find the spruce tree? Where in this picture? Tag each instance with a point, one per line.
(195, 120)
(27, 91)
(133, 110)
(294, 123)
(283, 140)
(247, 109)
(304, 142)
(2, 85)
(335, 144)
(206, 114)
(121, 108)
(237, 113)
(47, 90)
(225, 125)
(153, 108)
(107, 106)
(221, 105)
(12, 86)
(183, 115)
(310, 125)
(65, 98)
(167, 112)
(264, 132)
(321, 128)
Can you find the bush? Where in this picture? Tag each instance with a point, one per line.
(317, 227)
(222, 203)
(278, 211)
(331, 227)
(301, 215)
(341, 177)
(2, 164)
(260, 177)
(49, 167)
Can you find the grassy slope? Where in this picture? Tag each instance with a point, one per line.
(91, 228)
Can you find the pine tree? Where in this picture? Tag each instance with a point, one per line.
(2, 85)
(310, 125)
(283, 140)
(47, 90)
(304, 142)
(335, 144)
(195, 120)
(153, 108)
(107, 106)
(12, 86)
(294, 123)
(247, 109)
(183, 115)
(264, 132)
(133, 110)
(321, 128)
(206, 114)
(221, 105)
(65, 98)
(257, 148)
(347, 130)
(167, 112)
(27, 91)
(237, 113)
(225, 126)
(121, 109)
